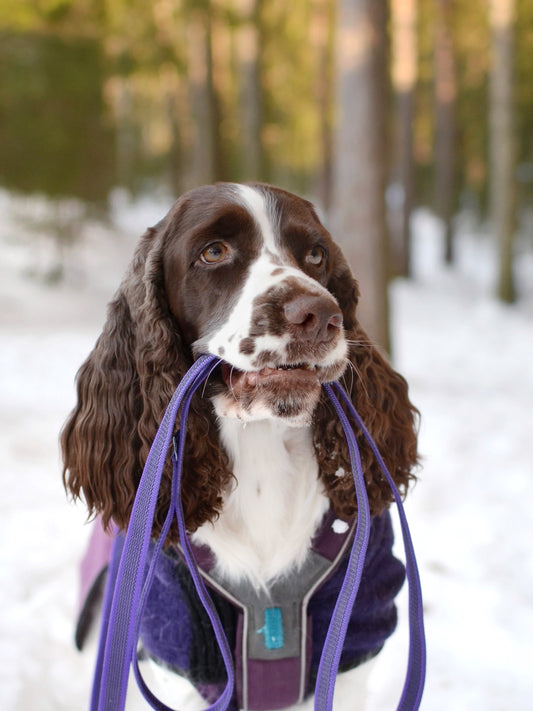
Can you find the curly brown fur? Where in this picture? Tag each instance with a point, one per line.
(123, 389)
(127, 381)
(380, 395)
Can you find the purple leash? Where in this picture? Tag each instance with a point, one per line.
(331, 653)
(118, 639)
(129, 582)
(329, 661)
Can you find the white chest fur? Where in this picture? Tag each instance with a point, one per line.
(273, 508)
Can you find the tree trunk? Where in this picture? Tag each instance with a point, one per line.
(502, 152)
(404, 71)
(358, 215)
(208, 157)
(202, 158)
(322, 34)
(445, 95)
(249, 44)
(215, 113)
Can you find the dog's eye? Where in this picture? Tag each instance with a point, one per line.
(316, 256)
(215, 253)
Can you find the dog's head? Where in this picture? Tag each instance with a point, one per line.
(252, 276)
(249, 274)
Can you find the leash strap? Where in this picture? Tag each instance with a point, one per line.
(129, 583)
(416, 670)
(176, 510)
(112, 573)
(331, 653)
(118, 639)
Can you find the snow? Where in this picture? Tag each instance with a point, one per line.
(468, 361)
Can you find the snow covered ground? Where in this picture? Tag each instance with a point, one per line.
(469, 362)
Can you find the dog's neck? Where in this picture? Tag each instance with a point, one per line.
(274, 506)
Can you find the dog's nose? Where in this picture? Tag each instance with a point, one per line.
(316, 318)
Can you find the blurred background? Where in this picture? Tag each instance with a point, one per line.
(409, 123)
(101, 99)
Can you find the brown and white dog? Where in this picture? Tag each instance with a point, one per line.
(249, 274)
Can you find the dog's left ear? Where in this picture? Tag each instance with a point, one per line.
(380, 395)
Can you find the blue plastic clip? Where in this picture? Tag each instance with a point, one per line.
(273, 629)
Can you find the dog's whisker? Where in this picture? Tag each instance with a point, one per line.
(367, 343)
(211, 371)
(231, 388)
(355, 373)
(349, 369)
(344, 377)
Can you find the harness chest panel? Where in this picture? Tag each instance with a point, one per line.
(273, 647)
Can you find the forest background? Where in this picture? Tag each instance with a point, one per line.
(166, 95)
(409, 124)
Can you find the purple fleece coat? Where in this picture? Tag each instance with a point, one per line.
(176, 631)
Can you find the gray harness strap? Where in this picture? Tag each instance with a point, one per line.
(274, 640)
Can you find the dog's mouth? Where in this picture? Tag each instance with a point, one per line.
(297, 375)
(290, 391)
(287, 391)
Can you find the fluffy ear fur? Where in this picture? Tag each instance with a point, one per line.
(123, 389)
(380, 396)
(127, 381)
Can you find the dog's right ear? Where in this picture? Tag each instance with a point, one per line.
(123, 389)
(102, 440)
(97, 461)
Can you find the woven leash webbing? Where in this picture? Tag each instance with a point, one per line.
(329, 660)
(126, 594)
(176, 510)
(118, 640)
(416, 669)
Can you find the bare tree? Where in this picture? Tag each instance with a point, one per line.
(359, 172)
(208, 159)
(322, 37)
(445, 132)
(249, 41)
(202, 159)
(404, 72)
(502, 151)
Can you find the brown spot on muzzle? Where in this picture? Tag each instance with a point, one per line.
(292, 307)
(247, 346)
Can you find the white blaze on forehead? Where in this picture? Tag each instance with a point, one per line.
(226, 341)
(258, 205)
(265, 272)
